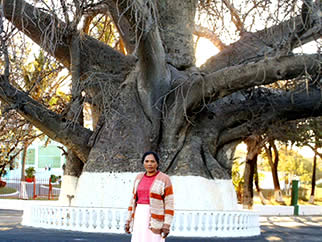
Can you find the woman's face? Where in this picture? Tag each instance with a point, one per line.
(150, 164)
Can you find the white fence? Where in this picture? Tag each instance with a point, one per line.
(281, 210)
(112, 220)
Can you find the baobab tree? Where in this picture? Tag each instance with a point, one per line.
(147, 93)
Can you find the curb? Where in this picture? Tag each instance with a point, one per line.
(9, 194)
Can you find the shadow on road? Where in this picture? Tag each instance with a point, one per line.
(273, 228)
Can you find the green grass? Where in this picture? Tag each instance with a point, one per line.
(55, 186)
(7, 190)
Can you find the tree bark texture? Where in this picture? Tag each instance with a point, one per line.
(155, 98)
(23, 160)
(253, 147)
(273, 162)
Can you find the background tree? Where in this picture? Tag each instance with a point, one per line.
(37, 76)
(238, 179)
(302, 133)
(272, 155)
(309, 133)
(254, 145)
(151, 96)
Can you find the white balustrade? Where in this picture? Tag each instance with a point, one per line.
(111, 220)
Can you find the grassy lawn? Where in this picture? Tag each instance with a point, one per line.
(56, 186)
(45, 198)
(7, 190)
(304, 196)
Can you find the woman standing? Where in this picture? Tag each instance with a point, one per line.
(151, 207)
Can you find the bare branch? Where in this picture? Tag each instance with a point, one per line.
(278, 40)
(235, 16)
(62, 2)
(314, 150)
(4, 47)
(74, 137)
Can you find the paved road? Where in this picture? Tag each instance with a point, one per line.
(273, 228)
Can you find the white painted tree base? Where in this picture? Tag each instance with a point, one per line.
(115, 189)
(311, 199)
(264, 201)
(278, 196)
(68, 190)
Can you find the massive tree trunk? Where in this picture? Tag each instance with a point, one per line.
(157, 99)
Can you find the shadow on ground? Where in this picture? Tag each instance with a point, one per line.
(273, 228)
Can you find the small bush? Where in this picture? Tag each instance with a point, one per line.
(30, 172)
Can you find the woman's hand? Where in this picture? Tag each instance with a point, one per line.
(127, 228)
(164, 232)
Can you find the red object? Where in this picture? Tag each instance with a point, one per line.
(2, 183)
(50, 191)
(28, 179)
(34, 188)
(33, 179)
(143, 191)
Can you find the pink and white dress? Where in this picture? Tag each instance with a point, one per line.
(141, 231)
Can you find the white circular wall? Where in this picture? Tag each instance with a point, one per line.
(115, 189)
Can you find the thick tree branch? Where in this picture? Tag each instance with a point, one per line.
(56, 127)
(276, 40)
(53, 36)
(255, 115)
(186, 102)
(204, 32)
(126, 31)
(227, 81)
(176, 27)
(125, 28)
(311, 22)
(153, 80)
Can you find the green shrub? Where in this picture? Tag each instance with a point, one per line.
(30, 172)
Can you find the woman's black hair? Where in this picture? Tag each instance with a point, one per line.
(156, 157)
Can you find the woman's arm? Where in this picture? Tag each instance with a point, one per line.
(168, 208)
(130, 212)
